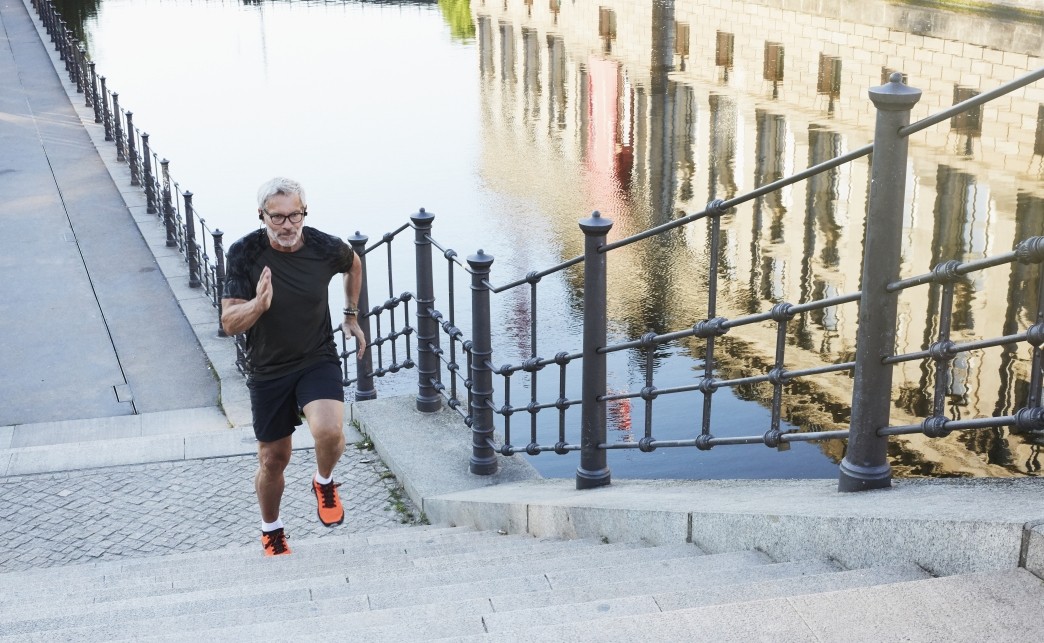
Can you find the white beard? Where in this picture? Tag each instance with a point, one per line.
(286, 241)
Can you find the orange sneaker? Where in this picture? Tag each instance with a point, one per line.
(275, 543)
(330, 510)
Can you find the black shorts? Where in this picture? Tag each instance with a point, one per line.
(276, 404)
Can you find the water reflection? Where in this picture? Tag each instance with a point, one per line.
(654, 120)
(644, 110)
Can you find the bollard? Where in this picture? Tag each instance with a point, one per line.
(132, 156)
(364, 388)
(483, 460)
(593, 470)
(219, 257)
(150, 181)
(865, 465)
(117, 133)
(190, 242)
(429, 369)
(168, 206)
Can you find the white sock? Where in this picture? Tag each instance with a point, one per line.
(322, 480)
(271, 526)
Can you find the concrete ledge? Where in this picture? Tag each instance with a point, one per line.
(121, 426)
(429, 452)
(117, 451)
(1033, 549)
(945, 526)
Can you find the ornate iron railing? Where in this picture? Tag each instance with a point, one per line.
(185, 228)
(865, 465)
(390, 336)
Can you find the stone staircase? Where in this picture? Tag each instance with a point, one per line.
(455, 583)
(164, 436)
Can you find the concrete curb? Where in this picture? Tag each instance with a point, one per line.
(945, 526)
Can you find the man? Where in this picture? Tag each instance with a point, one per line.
(277, 292)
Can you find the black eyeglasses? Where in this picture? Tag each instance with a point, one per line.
(280, 219)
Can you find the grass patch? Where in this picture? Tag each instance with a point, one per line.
(399, 504)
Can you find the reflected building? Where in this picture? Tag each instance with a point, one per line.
(646, 110)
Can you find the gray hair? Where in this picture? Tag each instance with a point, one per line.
(279, 185)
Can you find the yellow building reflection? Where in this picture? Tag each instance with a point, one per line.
(645, 110)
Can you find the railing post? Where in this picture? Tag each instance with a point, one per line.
(429, 368)
(364, 388)
(593, 470)
(483, 456)
(168, 206)
(77, 56)
(150, 180)
(132, 154)
(85, 74)
(94, 92)
(219, 258)
(117, 132)
(865, 465)
(190, 242)
(105, 109)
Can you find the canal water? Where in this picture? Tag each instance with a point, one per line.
(513, 120)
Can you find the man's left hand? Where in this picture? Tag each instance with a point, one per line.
(350, 326)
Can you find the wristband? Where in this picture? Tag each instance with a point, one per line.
(351, 312)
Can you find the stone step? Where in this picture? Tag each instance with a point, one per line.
(207, 557)
(166, 436)
(112, 452)
(455, 622)
(542, 594)
(985, 606)
(385, 574)
(389, 561)
(181, 422)
(427, 583)
(618, 601)
(637, 563)
(281, 605)
(684, 580)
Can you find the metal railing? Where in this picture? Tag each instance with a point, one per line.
(865, 465)
(474, 384)
(188, 231)
(185, 228)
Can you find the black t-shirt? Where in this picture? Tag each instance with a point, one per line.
(296, 331)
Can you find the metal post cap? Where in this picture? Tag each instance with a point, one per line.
(596, 223)
(895, 94)
(480, 259)
(422, 217)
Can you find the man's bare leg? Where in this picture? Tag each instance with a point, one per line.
(269, 481)
(326, 421)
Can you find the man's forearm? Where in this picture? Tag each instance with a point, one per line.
(238, 315)
(352, 285)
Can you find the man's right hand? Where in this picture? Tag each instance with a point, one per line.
(238, 315)
(264, 289)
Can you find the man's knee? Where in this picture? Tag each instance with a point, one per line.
(325, 419)
(274, 456)
(327, 433)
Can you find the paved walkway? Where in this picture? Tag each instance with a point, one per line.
(93, 329)
(109, 358)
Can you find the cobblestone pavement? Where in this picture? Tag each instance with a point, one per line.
(149, 510)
